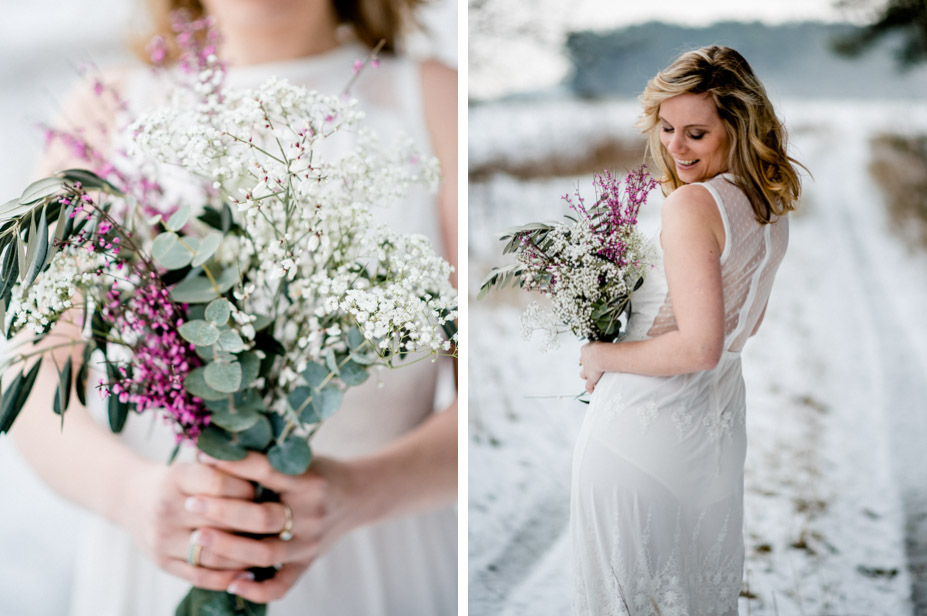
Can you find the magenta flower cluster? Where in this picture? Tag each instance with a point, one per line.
(161, 358)
(615, 211)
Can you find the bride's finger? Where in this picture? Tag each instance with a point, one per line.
(205, 479)
(201, 577)
(265, 552)
(182, 546)
(242, 516)
(255, 467)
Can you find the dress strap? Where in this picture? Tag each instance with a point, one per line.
(724, 218)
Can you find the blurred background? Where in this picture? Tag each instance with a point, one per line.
(43, 43)
(836, 485)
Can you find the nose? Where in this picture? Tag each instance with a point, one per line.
(676, 144)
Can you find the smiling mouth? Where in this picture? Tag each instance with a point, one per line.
(686, 163)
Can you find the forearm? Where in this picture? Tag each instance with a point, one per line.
(83, 462)
(665, 355)
(414, 473)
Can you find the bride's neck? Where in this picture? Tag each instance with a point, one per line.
(254, 34)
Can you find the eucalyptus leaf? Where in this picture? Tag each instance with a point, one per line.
(21, 256)
(8, 408)
(227, 279)
(38, 244)
(179, 255)
(299, 399)
(291, 457)
(355, 338)
(207, 248)
(163, 244)
(327, 401)
(235, 419)
(118, 411)
(223, 376)
(205, 352)
(218, 311)
(216, 442)
(195, 384)
(250, 365)
(80, 383)
(258, 436)
(63, 393)
(195, 290)
(244, 399)
(230, 341)
(179, 218)
(364, 359)
(201, 333)
(8, 270)
(88, 180)
(331, 361)
(41, 189)
(315, 374)
(352, 373)
(261, 321)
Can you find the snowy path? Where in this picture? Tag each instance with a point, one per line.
(835, 481)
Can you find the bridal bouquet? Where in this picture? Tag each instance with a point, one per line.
(589, 266)
(244, 315)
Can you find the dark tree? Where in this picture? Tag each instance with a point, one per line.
(905, 19)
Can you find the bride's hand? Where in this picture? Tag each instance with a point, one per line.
(324, 503)
(589, 365)
(154, 514)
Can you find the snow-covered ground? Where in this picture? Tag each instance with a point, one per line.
(836, 484)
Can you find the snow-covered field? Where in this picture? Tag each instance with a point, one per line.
(836, 480)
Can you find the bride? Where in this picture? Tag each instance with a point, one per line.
(657, 491)
(370, 528)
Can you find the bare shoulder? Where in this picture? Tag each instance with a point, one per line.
(439, 91)
(438, 79)
(690, 200)
(691, 211)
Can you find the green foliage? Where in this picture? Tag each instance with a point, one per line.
(353, 373)
(904, 18)
(195, 383)
(179, 218)
(223, 376)
(199, 332)
(220, 444)
(292, 456)
(118, 411)
(218, 311)
(315, 374)
(63, 393)
(207, 247)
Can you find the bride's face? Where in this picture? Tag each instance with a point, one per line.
(694, 136)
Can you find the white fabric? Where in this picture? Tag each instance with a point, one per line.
(657, 494)
(402, 567)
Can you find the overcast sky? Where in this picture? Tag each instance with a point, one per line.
(517, 45)
(597, 14)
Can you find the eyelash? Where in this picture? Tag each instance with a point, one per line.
(691, 136)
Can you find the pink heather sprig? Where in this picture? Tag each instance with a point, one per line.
(615, 211)
(162, 358)
(198, 41)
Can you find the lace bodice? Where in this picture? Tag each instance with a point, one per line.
(752, 253)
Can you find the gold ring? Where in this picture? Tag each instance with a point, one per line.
(195, 551)
(287, 533)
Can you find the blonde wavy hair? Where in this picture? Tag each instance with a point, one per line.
(758, 158)
(371, 21)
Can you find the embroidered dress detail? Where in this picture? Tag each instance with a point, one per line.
(657, 495)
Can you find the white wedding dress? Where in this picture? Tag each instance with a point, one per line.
(657, 493)
(402, 567)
